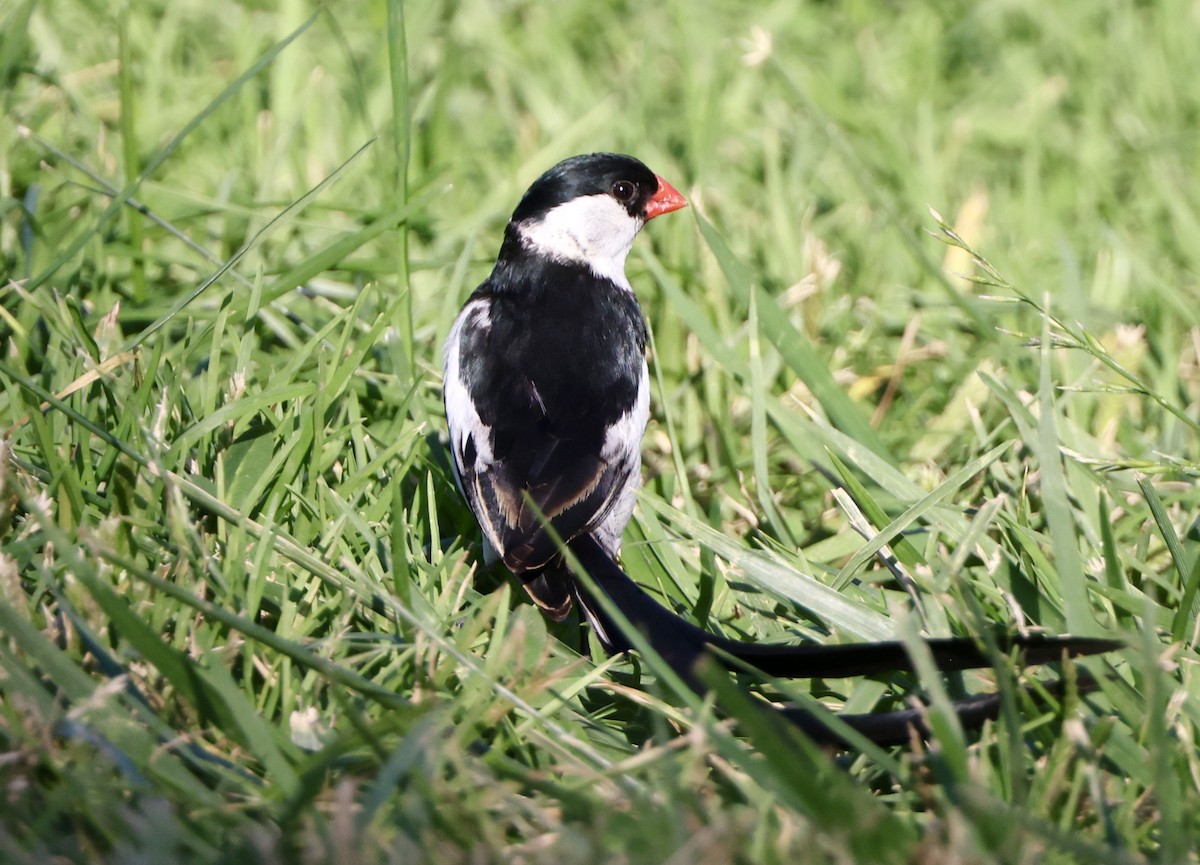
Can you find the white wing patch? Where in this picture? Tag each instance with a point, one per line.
(594, 230)
(461, 416)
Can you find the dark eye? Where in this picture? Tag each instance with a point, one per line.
(624, 191)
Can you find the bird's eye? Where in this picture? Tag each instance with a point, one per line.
(624, 191)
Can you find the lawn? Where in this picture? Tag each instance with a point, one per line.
(936, 301)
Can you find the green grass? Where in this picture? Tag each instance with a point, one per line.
(240, 618)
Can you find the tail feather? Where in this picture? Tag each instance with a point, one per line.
(682, 645)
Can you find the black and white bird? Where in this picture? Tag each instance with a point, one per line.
(547, 398)
(547, 395)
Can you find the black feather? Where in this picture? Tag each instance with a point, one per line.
(683, 646)
(533, 378)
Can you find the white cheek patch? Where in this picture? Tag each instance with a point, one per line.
(594, 230)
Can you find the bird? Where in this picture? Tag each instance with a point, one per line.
(546, 394)
(546, 385)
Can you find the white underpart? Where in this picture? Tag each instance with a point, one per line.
(461, 415)
(623, 446)
(595, 230)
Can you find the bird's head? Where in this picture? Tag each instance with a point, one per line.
(588, 210)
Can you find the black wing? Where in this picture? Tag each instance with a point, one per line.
(545, 421)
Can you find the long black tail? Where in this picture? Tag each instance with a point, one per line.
(682, 645)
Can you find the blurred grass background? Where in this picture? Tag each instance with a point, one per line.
(239, 614)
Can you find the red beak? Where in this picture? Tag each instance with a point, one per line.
(664, 201)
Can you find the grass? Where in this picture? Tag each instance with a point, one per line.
(241, 617)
